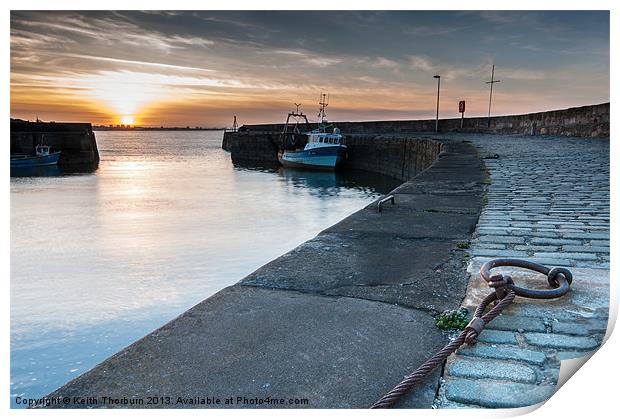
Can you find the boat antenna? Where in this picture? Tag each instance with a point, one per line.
(297, 105)
(323, 101)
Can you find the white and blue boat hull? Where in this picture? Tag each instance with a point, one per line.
(321, 158)
(34, 161)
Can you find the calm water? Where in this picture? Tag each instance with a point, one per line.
(99, 260)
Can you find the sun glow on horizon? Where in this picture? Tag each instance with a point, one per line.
(121, 95)
(128, 120)
(127, 96)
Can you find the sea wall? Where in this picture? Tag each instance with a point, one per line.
(401, 157)
(584, 121)
(251, 147)
(76, 141)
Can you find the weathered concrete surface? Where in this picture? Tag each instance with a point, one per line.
(292, 328)
(363, 255)
(253, 342)
(371, 267)
(548, 202)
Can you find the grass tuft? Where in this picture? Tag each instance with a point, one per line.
(452, 319)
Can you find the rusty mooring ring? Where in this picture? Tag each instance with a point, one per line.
(559, 279)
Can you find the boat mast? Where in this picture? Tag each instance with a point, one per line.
(323, 101)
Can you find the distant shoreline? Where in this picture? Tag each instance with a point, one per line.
(107, 128)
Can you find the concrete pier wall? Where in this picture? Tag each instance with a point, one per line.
(76, 141)
(583, 121)
(400, 157)
(249, 147)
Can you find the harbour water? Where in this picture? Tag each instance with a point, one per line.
(100, 259)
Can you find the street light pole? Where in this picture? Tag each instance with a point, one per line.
(491, 93)
(438, 77)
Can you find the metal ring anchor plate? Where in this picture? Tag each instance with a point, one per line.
(559, 279)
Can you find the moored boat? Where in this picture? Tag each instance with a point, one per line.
(322, 151)
(43, 157)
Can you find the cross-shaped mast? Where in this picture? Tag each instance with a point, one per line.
(493, 81)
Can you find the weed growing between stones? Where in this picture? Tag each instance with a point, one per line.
(452, 319)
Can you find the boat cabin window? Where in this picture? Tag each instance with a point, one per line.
(327, 140)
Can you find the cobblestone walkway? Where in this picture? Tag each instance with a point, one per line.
(548, 202)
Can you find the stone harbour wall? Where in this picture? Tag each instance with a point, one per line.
(400, 157)
(583, 121)
(76, 141)
(249, 147)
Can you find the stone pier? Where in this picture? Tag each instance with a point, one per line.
(334, 323)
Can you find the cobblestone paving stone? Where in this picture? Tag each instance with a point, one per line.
(547, 202)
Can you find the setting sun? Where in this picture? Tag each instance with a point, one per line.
(128, 120)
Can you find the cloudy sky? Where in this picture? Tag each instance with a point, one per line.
(201, 68)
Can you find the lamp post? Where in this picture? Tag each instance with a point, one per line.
(438, 77)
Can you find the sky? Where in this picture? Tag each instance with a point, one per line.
(182, 68)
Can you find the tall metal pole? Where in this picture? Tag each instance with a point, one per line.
(438, 77)
(491, 93)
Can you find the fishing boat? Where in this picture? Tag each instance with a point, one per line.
(43, 157)
(322, 150)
